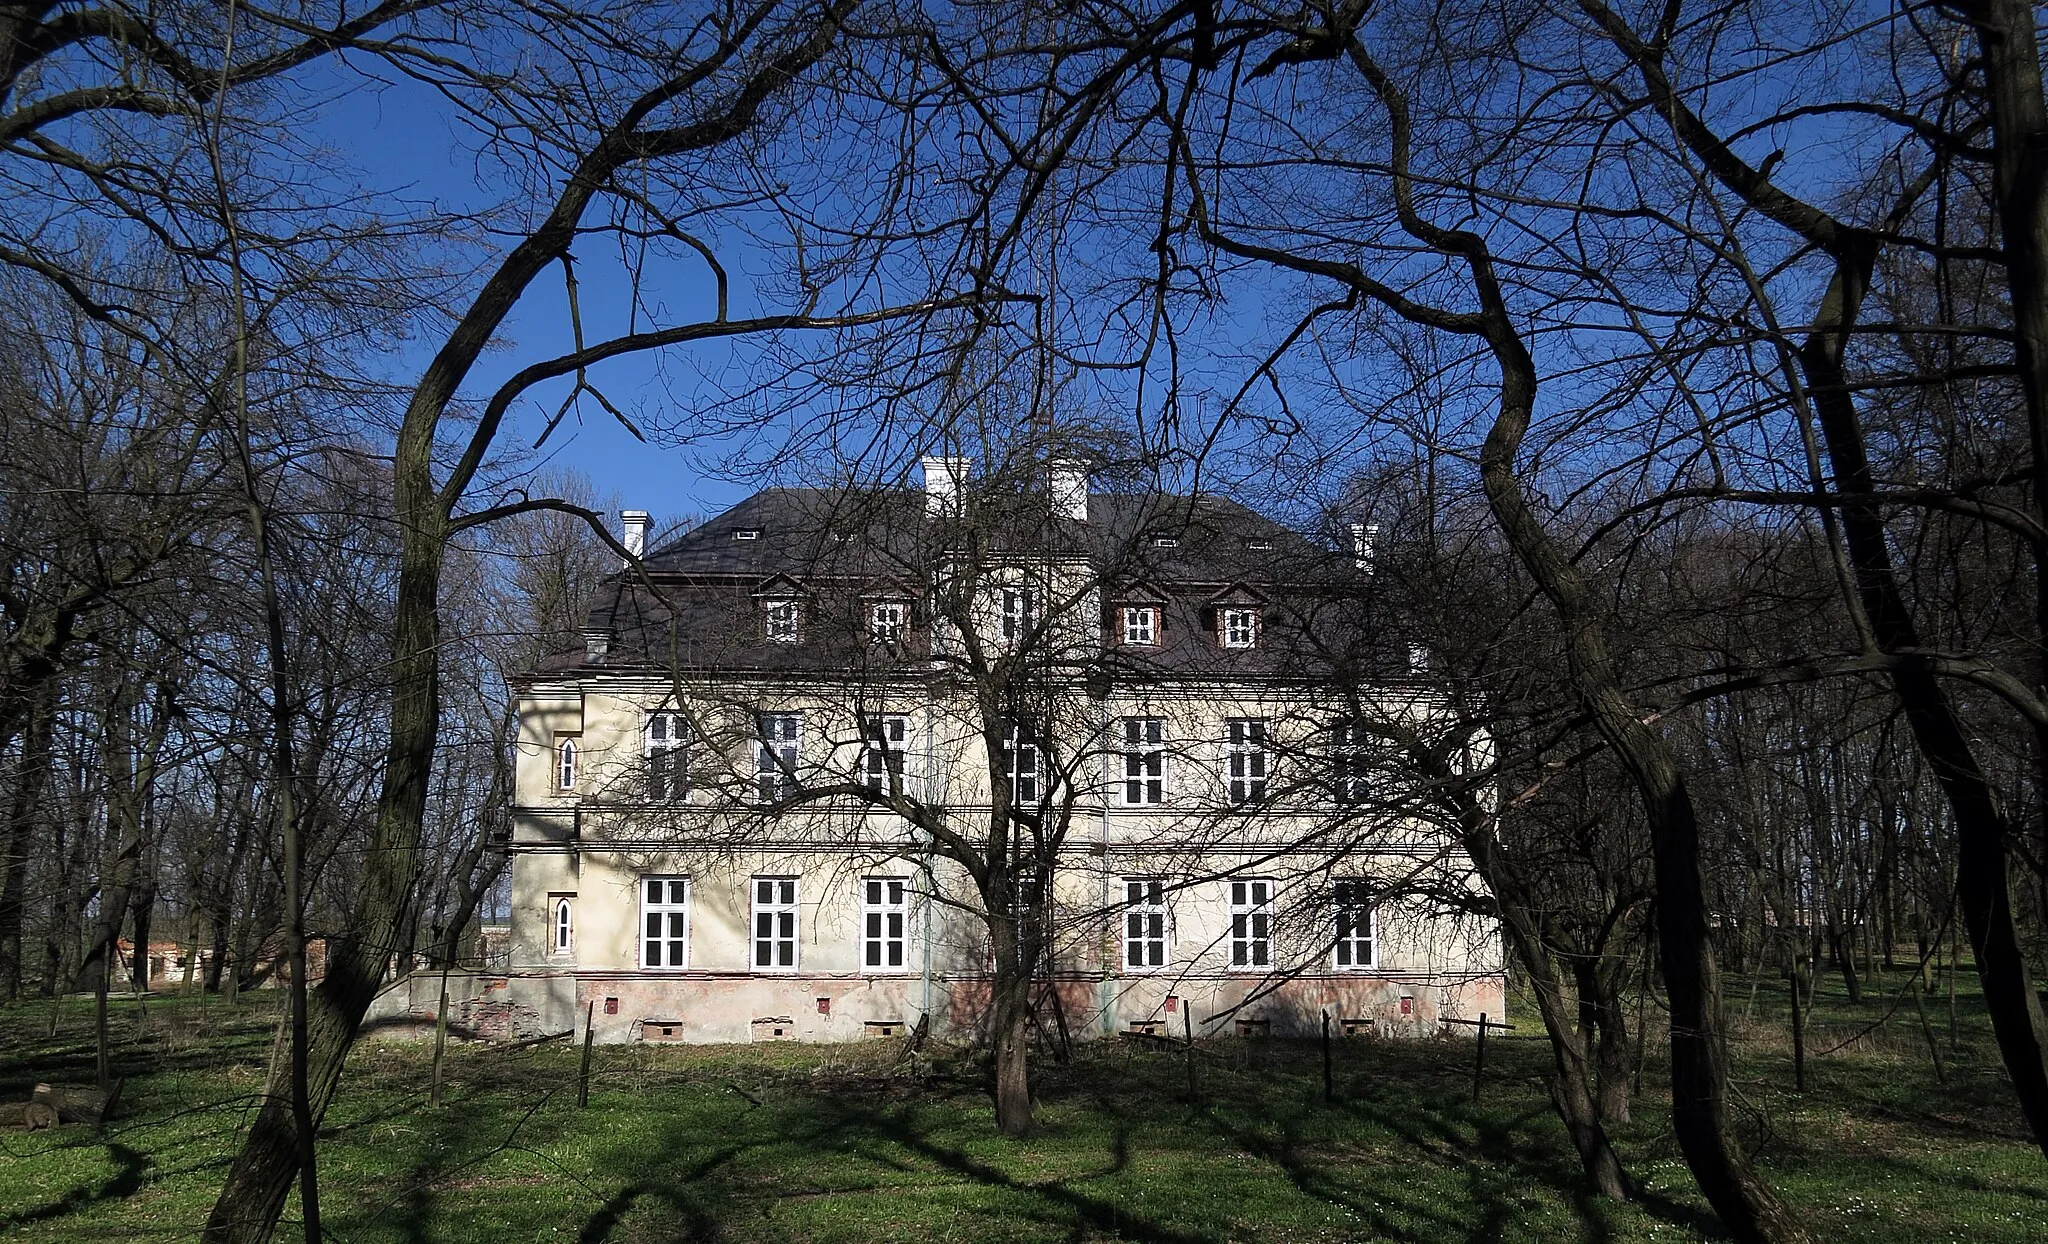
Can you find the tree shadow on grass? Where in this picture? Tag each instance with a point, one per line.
(123, 1183)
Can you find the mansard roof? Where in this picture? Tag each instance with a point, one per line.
(843, 546)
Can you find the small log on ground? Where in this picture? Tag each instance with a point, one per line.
(77, 1103)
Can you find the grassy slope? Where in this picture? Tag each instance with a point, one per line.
(830, 1143)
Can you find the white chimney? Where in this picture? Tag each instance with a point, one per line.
(597, 644)
(943, 480)
(1066, 481)
(633, 528)
(1363, 537)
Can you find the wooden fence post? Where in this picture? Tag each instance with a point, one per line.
(440, 1040)
(1329, 1084)
(583, 1078)
(1479, 1060)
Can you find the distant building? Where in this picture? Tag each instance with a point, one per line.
(693, 856)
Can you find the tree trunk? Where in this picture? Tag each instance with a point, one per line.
(22, 811)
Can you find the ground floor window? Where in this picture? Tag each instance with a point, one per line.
(1353, 901)
(885, 911)
(1144, 923)
(665, 922)
(775, 923)
(1251, 923)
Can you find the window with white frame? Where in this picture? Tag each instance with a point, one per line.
(775, 923)
(1352, 755)
(1019, 611)
(1245, 758)
(884, 920)
(1251, 923)
(785, 620)
(776, 752)
(886, 621)
(1240, 628)
(1144, 751)
(1140, 624)
(1020, 762)
(668, 756)
(565, 763)
(1144, 923)
(664, 922)
(884, 738)
(563, 925)
(1352, 899)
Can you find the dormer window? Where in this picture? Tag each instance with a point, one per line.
(1165, 542)
(746, 533)
(784, 620)
(1239, 627)
(886, 621)
(1140, 624)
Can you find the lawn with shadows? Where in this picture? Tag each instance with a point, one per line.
(788, 1142)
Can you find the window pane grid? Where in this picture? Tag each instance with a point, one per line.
(1245, 753)
(775, 923)
(1020, 762)
(781, 739)
(664, 922)
(1354, 944)
(882, 752)
(885, 907)
(668, 757)
(1144, 760)
(1144, 923)
(1251, 924)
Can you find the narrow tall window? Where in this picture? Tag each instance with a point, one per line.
(785, 620)
(1020, 762)
(668, 757)
(1144, 761)
(664, 922)
(1144, 923)
(1245, 754)
(1018, 614)
(1140, 624)
(1240, 628)
(564, 919)
(1351, 764)
(565, 764)
(1251, 924)
(884, 911)
(1353, 902)
(886, 620)
(777, 750)
(775, 923)
(884, 739)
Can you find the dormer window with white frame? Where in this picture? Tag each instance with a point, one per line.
(785, 619)
(1238, 627)
(887, 620)
(1139, 624)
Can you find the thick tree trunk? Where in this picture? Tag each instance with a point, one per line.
(22, 811)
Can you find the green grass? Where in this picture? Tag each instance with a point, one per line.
(841, 1143)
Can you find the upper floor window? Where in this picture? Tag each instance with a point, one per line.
(1352, 900)
(1251, 923)
(1140, 624)
(1020, 762)
(885, 910)
(1019, 613)
(785, 620)
(1245, 757)
(1351, 763)
(1240, 628)
(887, 620)
(664, 922)
(775, 923)
(884, 740)
(668, 757)
(1144, 755)
(1144, 923)
(565, 763)
(564, 927)
(777, 749)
